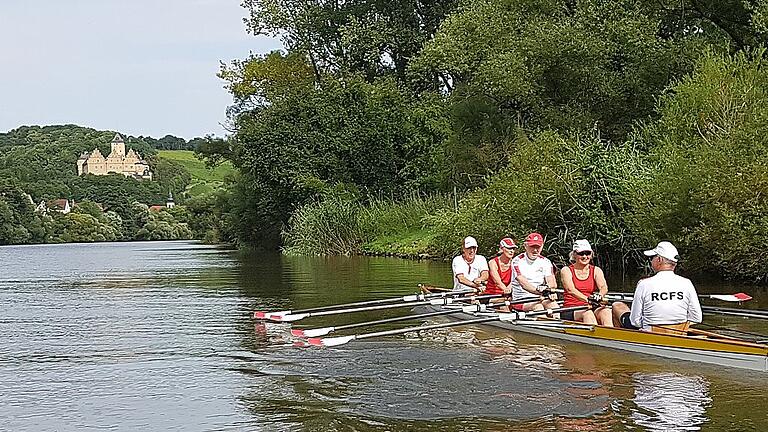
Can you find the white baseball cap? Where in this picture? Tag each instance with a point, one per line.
(470, 242)
(664, 249)
(581, 246)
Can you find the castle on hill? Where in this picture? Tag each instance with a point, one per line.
(129, 165)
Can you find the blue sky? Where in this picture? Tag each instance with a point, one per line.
(142, 67)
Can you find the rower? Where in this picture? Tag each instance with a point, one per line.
(533, 275)
(470, 271)
(664, 301)
(584, 283)
(500, 271)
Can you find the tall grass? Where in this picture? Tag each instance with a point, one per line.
(344, 226)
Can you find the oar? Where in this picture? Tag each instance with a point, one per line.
(407, 298)
(436, 302)
(505, 317)
(312, 333)
(746, 313)
(736, 298)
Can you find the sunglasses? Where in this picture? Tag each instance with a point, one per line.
(584, 253)
(510, 248)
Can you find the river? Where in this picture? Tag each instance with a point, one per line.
(157, 336)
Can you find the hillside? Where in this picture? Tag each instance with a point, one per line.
(204, 179)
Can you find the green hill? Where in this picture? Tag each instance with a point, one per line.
(204, 179)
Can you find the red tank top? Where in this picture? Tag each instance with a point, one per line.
(586, 287)
(506, 277)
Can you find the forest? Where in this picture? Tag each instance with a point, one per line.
(37, 164)
(403, 126)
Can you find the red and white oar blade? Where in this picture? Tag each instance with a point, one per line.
(298, 333)
(738, 297)
(261, 315)
(313, 333)
(287, 318)
(329, 342)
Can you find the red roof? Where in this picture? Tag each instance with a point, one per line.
(156, 208)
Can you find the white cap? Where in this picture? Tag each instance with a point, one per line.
(470, 242)
(581, 246)
(664, 249)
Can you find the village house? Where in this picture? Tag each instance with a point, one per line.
(128, 164)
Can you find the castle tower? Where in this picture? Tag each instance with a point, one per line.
(118, 146)
(169, 202)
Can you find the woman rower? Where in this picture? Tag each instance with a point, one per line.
(501, 271)
(584, 283)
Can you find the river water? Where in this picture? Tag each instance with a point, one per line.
(157, 336)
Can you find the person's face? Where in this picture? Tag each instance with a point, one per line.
(583, 257)
(469, 253)
(508, 252)
(533, 250)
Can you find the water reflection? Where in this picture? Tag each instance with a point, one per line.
(670, 401)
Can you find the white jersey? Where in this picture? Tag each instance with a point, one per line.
(665, 298)
(535, 272)
(470, 271)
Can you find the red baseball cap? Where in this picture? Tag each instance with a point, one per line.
(534, 239)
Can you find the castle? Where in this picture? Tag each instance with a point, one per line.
(129, 165)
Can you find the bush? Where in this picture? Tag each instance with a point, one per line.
(708, 172)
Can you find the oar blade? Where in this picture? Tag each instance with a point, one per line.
(330, 342)
(287, 318)
(738, 297)
(313, 333)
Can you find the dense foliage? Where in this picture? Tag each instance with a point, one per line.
(406, 125)
(37, 164)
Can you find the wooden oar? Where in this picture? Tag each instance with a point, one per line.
(312, 333)
(408, 298)
(736, 298)
(506, 317)
(437, 302)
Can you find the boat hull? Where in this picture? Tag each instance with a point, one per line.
(722, 352)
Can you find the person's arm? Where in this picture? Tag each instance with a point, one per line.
(464, 281)
(602, 285)
(636, 313)
(459, 274)
(694, 307)
(566, 278)
(523, 281)
(483, 267)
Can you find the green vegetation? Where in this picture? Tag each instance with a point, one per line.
(399, 128)
(197, 168)
(37, 165)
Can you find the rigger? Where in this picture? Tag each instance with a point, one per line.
(667, 296)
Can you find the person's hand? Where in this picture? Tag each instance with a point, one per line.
(595, 300)
(544, 290)
(506, 290)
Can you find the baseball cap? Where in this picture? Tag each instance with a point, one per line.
(664, 249)
(508, 243)
(534, 239)
(470, 242)
(581, 246)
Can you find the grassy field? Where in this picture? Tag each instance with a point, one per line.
(204, 179)
(196, 167)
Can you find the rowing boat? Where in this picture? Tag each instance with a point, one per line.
(696, 345)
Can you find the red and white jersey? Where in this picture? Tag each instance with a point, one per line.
(535, 271)
(664, 298)
(470, 270)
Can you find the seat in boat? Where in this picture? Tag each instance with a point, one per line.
(674, 329)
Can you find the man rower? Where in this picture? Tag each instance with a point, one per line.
(470, 270)
(664, 300)
(533, 275)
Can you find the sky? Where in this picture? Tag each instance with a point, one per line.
(140, 67)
